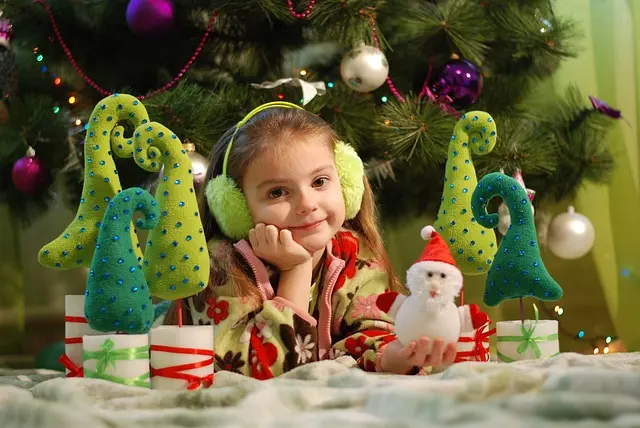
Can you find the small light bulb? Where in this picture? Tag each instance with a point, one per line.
(56, 110)
(387, 122)
(72, 100)
(35, 50)
(303, 72)
(57, 81)
(39, 58)
(78, 122)
(596, 350)
(556, 308)
(384, 99)
(560, 311)
(606, 350)
(281, 96)
(330, 84)
(608, 340)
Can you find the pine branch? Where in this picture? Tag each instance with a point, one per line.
(415, 129)
(520, 145)
(268, 9)
(578, 135)
(346, 21)
(460, 23)
(526, 44)
(349, 113)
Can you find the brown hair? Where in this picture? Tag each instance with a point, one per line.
(272, 129)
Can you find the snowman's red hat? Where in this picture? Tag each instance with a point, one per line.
(436, 249)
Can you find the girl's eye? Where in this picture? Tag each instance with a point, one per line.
(277, 193)
(319, 182)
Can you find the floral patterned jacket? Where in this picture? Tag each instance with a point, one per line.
(266, 341)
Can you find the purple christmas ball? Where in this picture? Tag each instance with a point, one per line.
(150, 17)
(29, 175)
(459, 84)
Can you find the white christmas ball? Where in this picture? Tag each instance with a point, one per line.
(364, 69)
(571, 235)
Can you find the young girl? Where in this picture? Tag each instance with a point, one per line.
(303, 286)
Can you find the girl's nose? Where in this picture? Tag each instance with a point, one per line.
(306, 204)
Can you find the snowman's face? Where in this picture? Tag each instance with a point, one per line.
(434, 282)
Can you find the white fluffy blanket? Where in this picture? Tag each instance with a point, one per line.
(570, 390)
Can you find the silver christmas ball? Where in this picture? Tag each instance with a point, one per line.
(364, 69)
(571, 235)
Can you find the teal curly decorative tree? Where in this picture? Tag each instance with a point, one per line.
(517, 270)
(117, 295)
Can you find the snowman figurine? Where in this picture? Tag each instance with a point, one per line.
(429, 311)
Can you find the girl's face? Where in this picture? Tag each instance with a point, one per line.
(297, 189)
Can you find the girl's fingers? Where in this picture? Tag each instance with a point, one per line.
(435, 358)
(271, 235)
(286, 239)
(260, 234)
(449, 354)
(407, 351)
(252, 238)
(422, 349)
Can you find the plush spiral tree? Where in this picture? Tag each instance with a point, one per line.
(472, 246)
(105, 138)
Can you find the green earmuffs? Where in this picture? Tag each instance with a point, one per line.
(229, 205)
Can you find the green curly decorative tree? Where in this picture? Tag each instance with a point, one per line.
(105, 138)
(472, 246)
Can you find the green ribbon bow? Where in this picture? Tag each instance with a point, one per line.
(107, 356)
(527, 339)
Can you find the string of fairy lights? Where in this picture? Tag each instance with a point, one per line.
(599, 344)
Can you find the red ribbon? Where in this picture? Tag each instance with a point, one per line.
(78, 320)
(479, 352)
(81, 320)
(175, 372)
(74, 371)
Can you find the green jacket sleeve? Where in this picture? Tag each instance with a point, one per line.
(359, 328)
(261, 341)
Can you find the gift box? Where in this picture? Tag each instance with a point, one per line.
(182, 357)
(120, 358)
(75, 327)
(474, 345)
(531, 339)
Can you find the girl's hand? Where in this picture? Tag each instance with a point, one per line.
(277, 247)
(401, 359)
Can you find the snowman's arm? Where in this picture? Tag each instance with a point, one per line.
(466, 323)
(390, 302)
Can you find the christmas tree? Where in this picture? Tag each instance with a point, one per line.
(392, 77)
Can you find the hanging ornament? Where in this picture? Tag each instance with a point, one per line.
(8, 63)
(6, 32)
(459, 84)
(199, 164)
(28, 174)
(571, 235)
(150, 17)
(364, 69)
(605, 108)
(503, 211)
